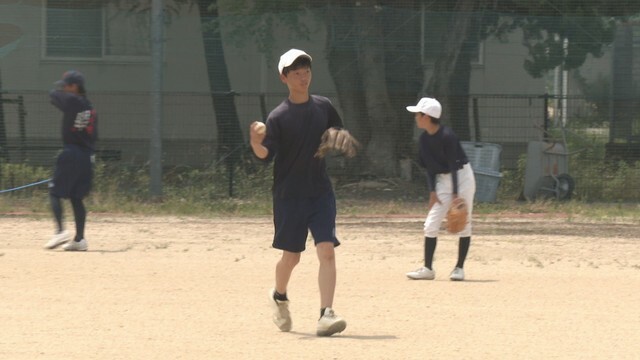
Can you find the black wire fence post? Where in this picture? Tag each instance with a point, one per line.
(230, 169)
(4, 153)
(476, 120)
(546, 116)
(155, 146)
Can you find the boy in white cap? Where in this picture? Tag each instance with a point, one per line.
(303, 197)
(449, 175)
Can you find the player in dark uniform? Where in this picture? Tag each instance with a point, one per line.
(74, 169)
(449, 176)
(303, 197)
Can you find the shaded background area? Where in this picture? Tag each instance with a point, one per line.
(507, 74)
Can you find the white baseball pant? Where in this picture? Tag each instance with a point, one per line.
(444, 190)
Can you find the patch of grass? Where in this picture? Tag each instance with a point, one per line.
(205, 192)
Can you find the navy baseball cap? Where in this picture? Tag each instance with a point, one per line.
(71, 77)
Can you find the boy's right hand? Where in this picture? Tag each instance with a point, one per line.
(257, 132)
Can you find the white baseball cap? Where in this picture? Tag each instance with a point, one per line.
(289, 57)
(429, 106)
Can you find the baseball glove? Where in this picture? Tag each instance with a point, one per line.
(457, 216)
(338, 140)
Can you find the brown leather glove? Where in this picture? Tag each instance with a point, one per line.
(338, 140)
(457, 216)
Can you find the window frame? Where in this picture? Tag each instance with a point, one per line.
(104, 57)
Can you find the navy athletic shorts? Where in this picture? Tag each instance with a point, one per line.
(294, 218)
(73, 173)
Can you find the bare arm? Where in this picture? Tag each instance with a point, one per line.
(256, 139)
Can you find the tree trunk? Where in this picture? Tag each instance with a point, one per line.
(445, 83)
(403, 69)
(230, 138)
(381, 148)
(346, 76)
(458, 108)
(622, 94)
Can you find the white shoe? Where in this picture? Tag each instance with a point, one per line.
(457, 274)
(57, 240)
(76, 245)
(330, 323)
(424, 273)
(281, 315)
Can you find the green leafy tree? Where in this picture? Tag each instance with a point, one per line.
(358, 69)
(361, 75)
(357, 56)
(587, 26)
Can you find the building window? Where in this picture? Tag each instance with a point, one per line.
(73, 30)
(89, 29)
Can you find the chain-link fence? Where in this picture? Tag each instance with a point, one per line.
(190, 141)
(500, 78)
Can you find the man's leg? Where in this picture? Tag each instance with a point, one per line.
(466, 189)
(278, 295)
(431, 228)
(463, 249)
(426, 272)
(60, 237)
(56, 208)
(284, 268)
(323, 228)
(80, 216)
(329, 323)
(326, 273)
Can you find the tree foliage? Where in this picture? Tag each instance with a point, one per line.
(555, 32)
(565, 32)
(258, 21)
(587, 26)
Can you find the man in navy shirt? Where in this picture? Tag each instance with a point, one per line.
(449, 176)
(303, 197)
(74, 171)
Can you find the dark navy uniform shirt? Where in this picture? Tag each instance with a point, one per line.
(441, 153)
(294, 132)
(79, 120)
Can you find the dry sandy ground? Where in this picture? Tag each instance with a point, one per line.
(192, 288)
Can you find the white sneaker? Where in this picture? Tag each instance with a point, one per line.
(76, 245)
(281, 315)
(57, 240)
(330, 323)
(457, 274)
(424, 273)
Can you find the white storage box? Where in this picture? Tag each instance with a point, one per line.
(482, 155)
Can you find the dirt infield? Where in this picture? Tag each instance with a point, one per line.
(192, 288)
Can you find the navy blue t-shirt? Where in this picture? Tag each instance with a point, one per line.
(294, 132)
(79, 120)
(441, 153)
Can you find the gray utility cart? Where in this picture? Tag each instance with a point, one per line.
(547, 172)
